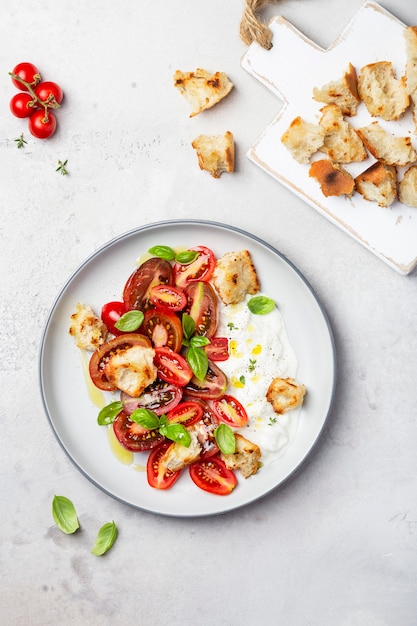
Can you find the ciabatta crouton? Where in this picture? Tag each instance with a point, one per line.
(202, 89)
(410, 36)
(407, 189)
(378, 184)
(245, 458)
(235, 276)
(88, 330)
(386, 147)
(131, 369)
(178, 456)
(341, 142)
(285, 394)
(215, 153)
(302, 139)
(384, 96)
(332, 178)
(343, 92)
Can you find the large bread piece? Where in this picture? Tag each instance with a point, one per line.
(384, 96)
(202, 89)
(407, 189)
(386, 147)
(410, 35)
(341, 141)
(332, 178)
(343, 92)
(302, 139)
(378, 184)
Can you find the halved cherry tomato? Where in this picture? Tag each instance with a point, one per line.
(202, 307)
(168, 298)
(186, 413)
(200, 269)
(217, 349)
(100, 357)
(230, 411)
(152, 272)
(163, 329)
(158, 476)
(111, 312)
(160, 397)
(213, 476)
(133, 436)
(205, 430)
(172, 367)
(213, 386)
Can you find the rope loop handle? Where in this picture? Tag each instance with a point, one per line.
(253, 27)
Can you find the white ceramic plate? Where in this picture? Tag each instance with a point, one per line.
(291, 69)
(101, 279)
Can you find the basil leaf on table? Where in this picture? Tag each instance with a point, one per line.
(65, 515)
(105, 539)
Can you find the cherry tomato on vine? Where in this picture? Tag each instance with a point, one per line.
(48, 91)
(27, 72)
(42, 124)
(22, 105)
(111, 312)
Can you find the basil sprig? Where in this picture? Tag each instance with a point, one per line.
(130, 321)
(105, 539)
(196, 356)
(225, 439)
(261, 305)
(171, 430)
(108, 413)
(65, 515)
(166, 252)
(163, 252)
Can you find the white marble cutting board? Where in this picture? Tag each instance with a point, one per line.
(291, 69)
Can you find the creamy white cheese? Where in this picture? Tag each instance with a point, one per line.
(259, 352)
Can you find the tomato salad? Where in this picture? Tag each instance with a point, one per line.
(169, 305)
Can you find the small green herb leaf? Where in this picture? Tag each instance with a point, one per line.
(146, 418)
(242, 380)
(188, 326)
(177, 433)
(62, 167)
(65, 515)
(186, 257)
(163, 252)
(198, 361)
(261, 305)
(199, 341)
(105, 539)
(225, 439)
(108, 413)
(20, 141)
(130, 321)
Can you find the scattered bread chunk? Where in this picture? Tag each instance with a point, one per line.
(285, 394)
(378, 184)
(410, 36)
(245, 458)
(89, 331)
(386, 147)
(302, 139)
(384, 96)
(343, 92)
(202, 89)
(341, 143)
(131, 369)
(333, 179)
(407, 189)
(235, 276)
(178, 456)
(216, 153)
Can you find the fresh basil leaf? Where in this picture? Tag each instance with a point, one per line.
(105, 538)
(261, 305)
(225, 439)
(186, 257)
(65, 515)
(146, 418)
(188, 326)
(108, 413)
(199, 341)
(242, 380)
(163, 420)
(198, 361)
(130, 321)
(177, 433)
(163, 252)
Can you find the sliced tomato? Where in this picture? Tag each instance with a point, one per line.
(158, 476)
(205, 430)
(213, 476)
(168, 298)
(202, 307)
(217, 349)
(230, 411)
(100, 357)
(201, 268)
(134, 437)
(212, 386)
(111, 312)
(172, 367)
(160, 397)
(137, 289)
(163, 329)
(186, 413)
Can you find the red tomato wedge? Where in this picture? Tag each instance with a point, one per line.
(230, 411)
(186, 413)
(172, 367)
(137, 289)
(201, 268)
(213, 476)
(202, 307)
(163, 329)
(213, 386)
(158, 476)
(217, 349)
(134, 437)
(168, 298)
(160, 397)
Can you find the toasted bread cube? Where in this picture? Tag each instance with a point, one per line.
(378, 184)
(132, 369)
(245, 458)
(285, 394)
(386, 147)
(235, 276)
(88, 330)
(302, 139)
(384, 96)
(202, 89)
(341, 142)
(332, 178)
(178, 456)
(215, 153)
(343, 92)
(408, 187)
